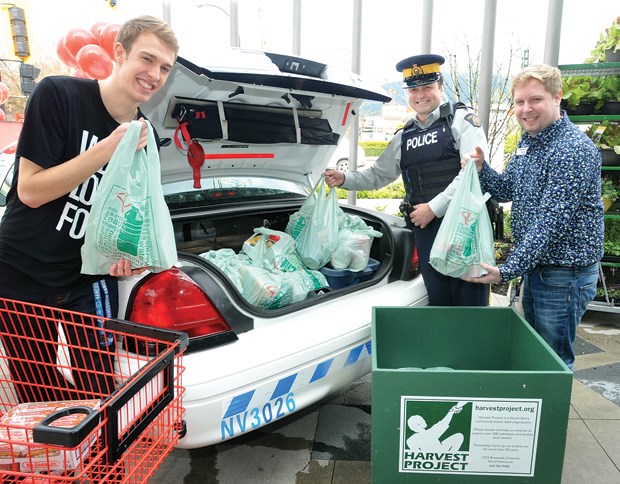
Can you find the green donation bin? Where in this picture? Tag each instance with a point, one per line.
(465, 395)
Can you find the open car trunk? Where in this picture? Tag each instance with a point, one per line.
(255, 139)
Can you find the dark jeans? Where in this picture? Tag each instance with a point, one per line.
(30, 340)
(445, 290)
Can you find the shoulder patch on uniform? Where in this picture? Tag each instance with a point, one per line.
(472, 119)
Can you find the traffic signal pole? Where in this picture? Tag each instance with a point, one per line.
(27, 72)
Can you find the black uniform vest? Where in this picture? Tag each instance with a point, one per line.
(429, 160)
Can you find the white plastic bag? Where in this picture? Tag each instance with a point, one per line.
(354, 242)
(129, 218)
(465, 237)
(272, 249)
(318, 238)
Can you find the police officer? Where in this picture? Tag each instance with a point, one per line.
(427, 153)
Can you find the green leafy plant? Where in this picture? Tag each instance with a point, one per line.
(502, 249)
(611, 247)
(611, 242)
(610, 190)
(578, 90)
(610, 88)
(507, 225)
(609, 39)
(511, 140)
(606, 135)
(612, 293)
(395, 190)
(374, 148)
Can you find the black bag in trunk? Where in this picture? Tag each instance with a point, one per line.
(249, 124)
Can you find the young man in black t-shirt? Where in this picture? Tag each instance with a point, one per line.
(71, 129)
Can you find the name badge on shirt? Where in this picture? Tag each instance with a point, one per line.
(521, 151)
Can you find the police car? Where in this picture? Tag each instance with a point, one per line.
(244, 137)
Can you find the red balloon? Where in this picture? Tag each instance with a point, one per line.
(75, 39)
(4, 92)
(2, 115)
(96, 29)
(107, 37)
(64, 54)
(94, 61)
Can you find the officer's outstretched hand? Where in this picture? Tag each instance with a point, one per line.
(477, 156)
(334, 178)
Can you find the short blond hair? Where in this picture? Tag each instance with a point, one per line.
(131, 29)
(550, 76)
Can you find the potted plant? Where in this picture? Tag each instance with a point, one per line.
(607, 49)
(610, 89)
(606, 137)
(610, 192)
(579, 94)
(611, 242)
(612, 294)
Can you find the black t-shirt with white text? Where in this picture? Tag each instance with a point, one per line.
(40, 248)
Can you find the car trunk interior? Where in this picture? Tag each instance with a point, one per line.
(199, 235)
(228, 231)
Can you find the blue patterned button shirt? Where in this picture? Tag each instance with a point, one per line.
(554, 182)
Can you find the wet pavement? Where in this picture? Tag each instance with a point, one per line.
(329, 443)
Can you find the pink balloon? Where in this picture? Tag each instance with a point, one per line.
(94, 61)
(64, 55)
(2, 115)
(75, 39)
(107, 37)
(96, 29)
(4, 92)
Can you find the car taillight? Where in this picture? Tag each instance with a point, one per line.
(415, 260)
(172, 300)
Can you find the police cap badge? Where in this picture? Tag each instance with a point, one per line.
(420, 70)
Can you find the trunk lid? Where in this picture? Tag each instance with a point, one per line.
(260, 114)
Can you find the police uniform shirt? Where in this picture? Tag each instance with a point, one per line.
(467, 134)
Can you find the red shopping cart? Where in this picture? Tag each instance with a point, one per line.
(74, 412)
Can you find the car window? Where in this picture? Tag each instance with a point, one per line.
(219, 191)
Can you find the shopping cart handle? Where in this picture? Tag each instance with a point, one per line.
(44, 433)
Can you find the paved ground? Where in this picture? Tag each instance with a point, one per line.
(329, 443)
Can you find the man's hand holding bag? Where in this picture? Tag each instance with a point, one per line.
(129, 218)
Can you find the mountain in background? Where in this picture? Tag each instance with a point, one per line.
(392, 89)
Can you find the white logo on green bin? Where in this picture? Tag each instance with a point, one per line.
(464, 435)
(436, 436)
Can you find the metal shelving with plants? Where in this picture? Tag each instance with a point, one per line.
(591, 96)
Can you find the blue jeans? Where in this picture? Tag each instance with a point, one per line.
(554, 301)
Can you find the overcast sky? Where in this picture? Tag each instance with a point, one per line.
(390, 28)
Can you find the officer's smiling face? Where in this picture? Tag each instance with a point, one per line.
(425, 99)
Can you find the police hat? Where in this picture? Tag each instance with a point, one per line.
(420, 70)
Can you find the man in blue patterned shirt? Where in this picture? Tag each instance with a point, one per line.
(554, 182)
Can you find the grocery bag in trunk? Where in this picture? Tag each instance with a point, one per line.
(318, 237)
